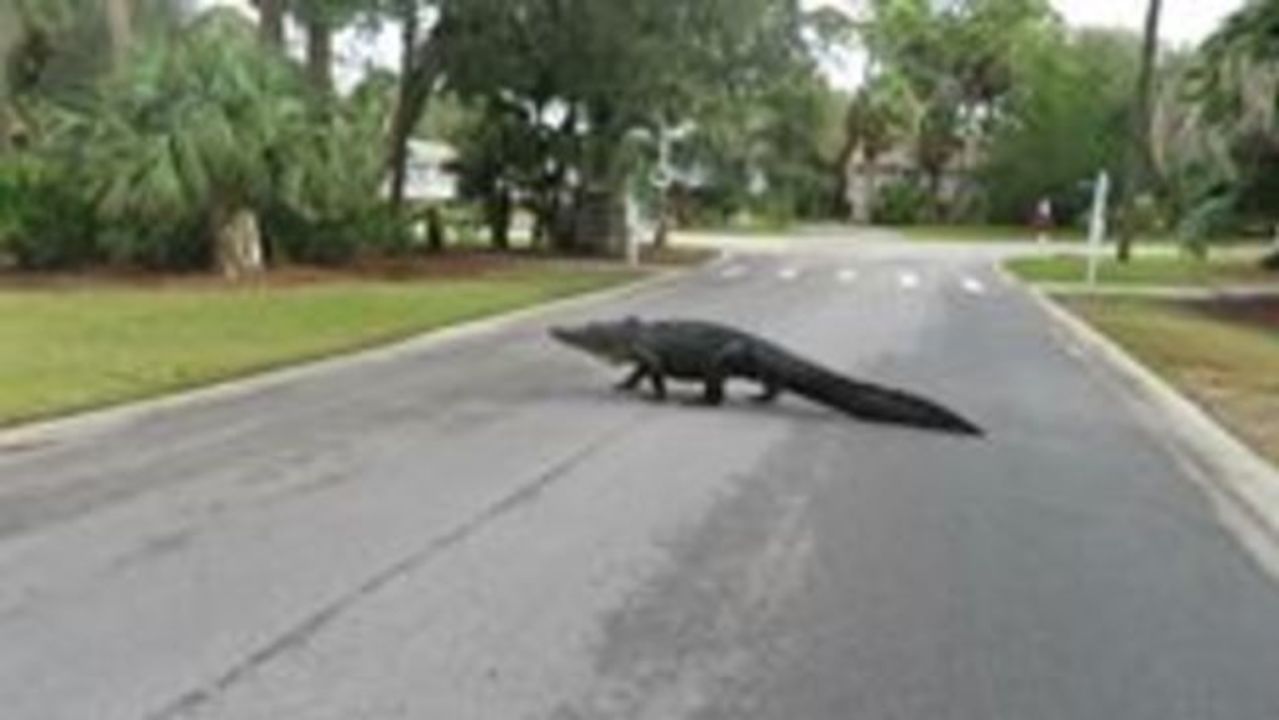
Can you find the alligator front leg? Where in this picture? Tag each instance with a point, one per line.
(650, 366)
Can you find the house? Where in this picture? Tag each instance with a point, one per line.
(432, 174)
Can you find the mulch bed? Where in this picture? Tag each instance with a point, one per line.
(1261, 313)
(459, 265)
(451, 265)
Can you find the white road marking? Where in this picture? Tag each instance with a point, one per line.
(909, 280)
(847, 276)
(789, 274)
(734, 271)
(974, 286)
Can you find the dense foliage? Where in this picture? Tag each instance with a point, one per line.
(1011, 105)
(204, 142)
(160, 133)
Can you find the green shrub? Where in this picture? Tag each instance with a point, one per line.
(45, 223)
(157, 246)
(902, 203)
(333, 241)
(1206, 222)
(464, 223)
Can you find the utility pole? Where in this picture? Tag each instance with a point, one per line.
(1138, 171)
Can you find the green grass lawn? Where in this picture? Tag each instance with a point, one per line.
(982, 233)
(1230, 368)
(65, 350)
(1160, 270)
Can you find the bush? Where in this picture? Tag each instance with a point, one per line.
(1210, 220)
(45, 223)
(292, 237)
(156, 246)
(465, 222)
(902, 203)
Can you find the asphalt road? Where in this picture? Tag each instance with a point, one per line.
(483, 529)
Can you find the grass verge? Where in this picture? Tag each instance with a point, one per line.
(982, 233)
(1230, 368)
(69, 349)
(1150, 270)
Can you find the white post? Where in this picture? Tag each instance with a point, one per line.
(1097, 227)
(633, 232)
(633, 249)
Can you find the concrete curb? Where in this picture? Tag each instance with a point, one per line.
(93, 421)
(1195, 438)
(1159, 292)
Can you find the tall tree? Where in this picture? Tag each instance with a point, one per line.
(1067, 116)
(119, 15)
(1139, 165)
(420, 70)
(321, 20)
(883, 114)
(1233, 126)
(958, 57)
(598, 79)
(271, 22)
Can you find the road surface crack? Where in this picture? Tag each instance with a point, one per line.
(301, 633)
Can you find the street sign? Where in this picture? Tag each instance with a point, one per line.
(1097, 227)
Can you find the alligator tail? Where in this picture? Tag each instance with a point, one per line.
(869, 402)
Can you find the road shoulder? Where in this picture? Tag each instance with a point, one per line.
(1220, 462)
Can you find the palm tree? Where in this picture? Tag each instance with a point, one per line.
(1236, 86)
(194, 129)
(883, 114)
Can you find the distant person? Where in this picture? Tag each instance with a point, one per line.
(1043, 220)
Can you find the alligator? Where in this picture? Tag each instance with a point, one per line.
(712, 354)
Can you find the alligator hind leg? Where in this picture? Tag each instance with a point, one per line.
(633, 380)
(714, 396)
(658, 382)
(770, 393)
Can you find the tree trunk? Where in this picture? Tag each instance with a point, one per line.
(120, 29)
(599, 223)
(319, 55)
(237, 242)
(271, 23)
(870, 194)
(418, 74)
(500, 206)
(541, 226)
(844, 199)
(1139, 160)
(434, 230)
(662, 234)
(6, 127)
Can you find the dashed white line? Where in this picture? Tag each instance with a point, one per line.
(908, 280)
(789, 274)
(974, 286)
(847, 276)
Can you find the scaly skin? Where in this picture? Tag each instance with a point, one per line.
(713, 354)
